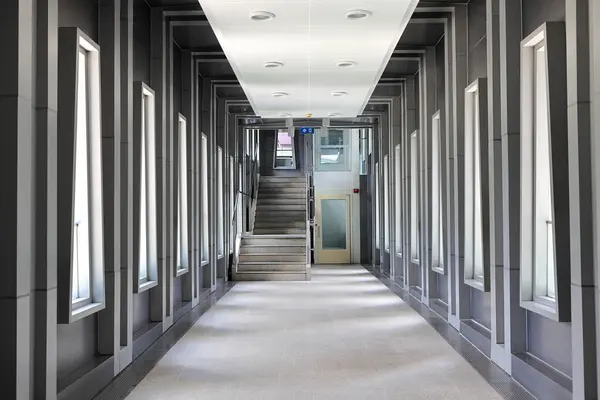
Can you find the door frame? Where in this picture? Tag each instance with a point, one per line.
(324, 256)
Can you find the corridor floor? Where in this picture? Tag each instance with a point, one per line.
(343, 335)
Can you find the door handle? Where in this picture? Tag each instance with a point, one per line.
(318, 231)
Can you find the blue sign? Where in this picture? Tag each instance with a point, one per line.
(306, 130)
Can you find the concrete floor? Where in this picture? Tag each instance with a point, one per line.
(343, 335)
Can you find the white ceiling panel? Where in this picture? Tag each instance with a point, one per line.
(308, 38)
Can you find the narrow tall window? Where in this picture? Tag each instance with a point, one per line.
(414, 211)
(545, 268)
(204, 172)
(182, 211)
(285, 157)
(397, 198)
(232, 201)
(143, 248)
(81, 286)
(437, 220)
(544, 158)
(220, 208)
(474, 263)
(376, 205)
(386, 203)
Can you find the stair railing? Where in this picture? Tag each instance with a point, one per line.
(309, 221)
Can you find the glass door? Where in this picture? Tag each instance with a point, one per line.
(333, 229)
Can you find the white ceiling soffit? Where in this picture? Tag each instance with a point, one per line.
(305, 40)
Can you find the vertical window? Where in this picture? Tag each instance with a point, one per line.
(377, 205)
(239, 216)
(220, 223)
(474, 262)
(397, 198)
(363, 148)
(232, 201)
(81, 285)
(204, 183)
(437, 220)
(285, 157)
(79, 170)
(386, 203)
(544, 242)
(332, 150)
(182, 211)
(147, 261)
(414, 211)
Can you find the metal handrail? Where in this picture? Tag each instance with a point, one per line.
(308, 187)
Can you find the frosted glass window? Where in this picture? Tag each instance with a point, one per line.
(182, 211)
(473, 211)
(437, 244)
(204, 184)
(377, 205)
(386, 203)
(545, 268)
(220, 222)
(414, 211)
(397, 198)
(335, 213)
(81, 277)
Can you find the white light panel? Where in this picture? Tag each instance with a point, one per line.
(309, 37)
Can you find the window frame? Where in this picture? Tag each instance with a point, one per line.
(386, 203)
(346, 146)
(550, 35)
(290, 132)
(182, 248)
(438, 262)
(476, 190)
(232, 203)
(144, 152)
(398, 199)
(377, 208)
(204, 195)
(73, 42)
(415, 251)
(220, 205)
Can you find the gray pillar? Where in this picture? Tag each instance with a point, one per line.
(46, 107)
(17, 208)
(159, 84)
(126, 194)
(459, 83)
(510, 103)
(583, 327)
(170, 187)
(495, 182)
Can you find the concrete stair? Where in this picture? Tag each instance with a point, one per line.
(276, 250)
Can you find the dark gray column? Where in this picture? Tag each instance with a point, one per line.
(159, 82)
(583, 327)
(126, 193)
(459, 83)
(495, 181)
(17, 207)
(170, 186)
(510, 103)
(46, 107)
(109, 32)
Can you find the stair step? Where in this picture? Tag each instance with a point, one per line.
(279, 231)
(276, 201)
(282, 207)
(271, 266)
(277, 178)
(273, 249)
(282, 185)
(273, 223)
(271, 276)
(276, 240)
(280, 195)
(273, 257)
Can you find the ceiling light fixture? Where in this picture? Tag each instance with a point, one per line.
(273, 64)
(280, 94)
(261, 16)
(346, 64)
(335, 114)
(285, 115)
(354, 15)
(339, 94)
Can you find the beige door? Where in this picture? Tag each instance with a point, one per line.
(333, 229)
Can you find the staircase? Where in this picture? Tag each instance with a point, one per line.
(277, 248)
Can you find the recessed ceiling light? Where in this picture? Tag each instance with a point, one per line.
(273, 64)
(339, 94)
(346, 64)
(280, 94)
(354, 15)
(261, 15)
